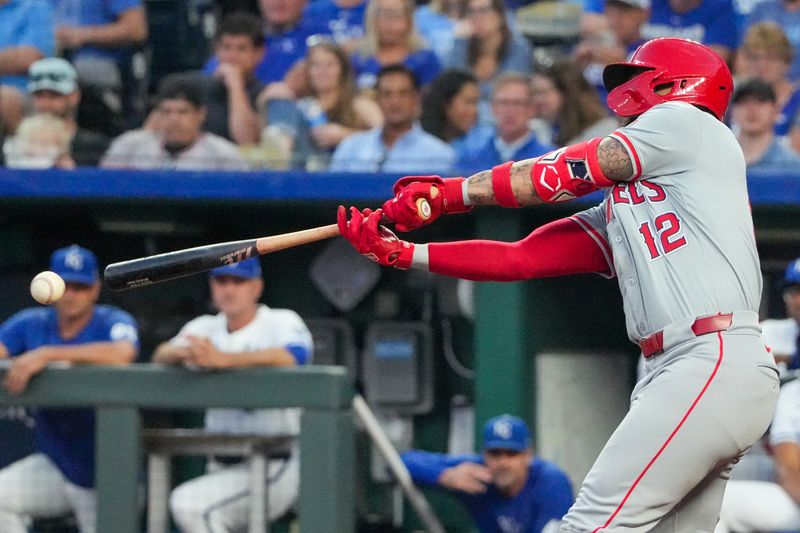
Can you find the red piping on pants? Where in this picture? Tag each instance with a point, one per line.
(669, 439)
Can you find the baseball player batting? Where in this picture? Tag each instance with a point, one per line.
(675, 229)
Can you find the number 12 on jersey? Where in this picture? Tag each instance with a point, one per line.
(662, 235)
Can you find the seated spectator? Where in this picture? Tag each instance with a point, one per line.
(441, 22)
(286, 33)
(344, 18)
(711, 22)
(175, 139)
(392, 39)
(786, 14)
(783, 335)
(513, 140)
(505, 488)
(491, 50)
(99, 38)
(569, 106)
(244, 334)
(59, 477)
(450, 111)
(754, 111)
(41, 141)
(750, 506)
(53, 88)
(766, 54)
(625, 19)
(232, 87)
(332, 111)
(401, 145)
(26, 35)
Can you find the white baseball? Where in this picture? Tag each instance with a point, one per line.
(47, 287)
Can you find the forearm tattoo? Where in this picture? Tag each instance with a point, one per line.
(481, 192)
(614, 160)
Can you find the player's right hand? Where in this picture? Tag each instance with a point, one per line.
(442, 195)
(468, 477)
(373, 241)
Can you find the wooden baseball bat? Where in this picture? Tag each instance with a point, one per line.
(172, 265)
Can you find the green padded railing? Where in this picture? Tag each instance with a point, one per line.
(118, 393)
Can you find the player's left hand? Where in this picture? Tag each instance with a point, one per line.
(204, 354)
(373, 241)
(22, 369)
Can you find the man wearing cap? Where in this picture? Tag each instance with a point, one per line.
(53, 88)
(243, 334)
(59, 477)
(754, 112)
(506, 489)
(766, 505)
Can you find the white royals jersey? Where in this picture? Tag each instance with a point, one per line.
(786, 423)
(679, 236)
(271, 328)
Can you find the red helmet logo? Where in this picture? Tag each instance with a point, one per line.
(669, 69)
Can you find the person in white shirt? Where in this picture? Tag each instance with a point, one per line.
(244, 334)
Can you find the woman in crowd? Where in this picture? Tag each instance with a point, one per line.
(767, 54)
(391, 38)
(450, 111)
(333, 110)
(568, 106)
(491, 50)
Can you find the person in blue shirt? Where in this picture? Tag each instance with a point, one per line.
(505, 489)
(754, 111)
(391, 38)
(59, 477)
(786, 14)
(400, 145)
(344, 19)
(99, 36)
(513, 139)
(711, 22)
(286, 34)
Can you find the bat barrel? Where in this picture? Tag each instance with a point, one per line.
(172, 265)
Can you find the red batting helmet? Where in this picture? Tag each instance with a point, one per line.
(694, 74)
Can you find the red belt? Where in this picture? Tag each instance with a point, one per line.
(654, 344)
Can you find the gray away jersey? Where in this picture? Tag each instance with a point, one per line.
(680, 233)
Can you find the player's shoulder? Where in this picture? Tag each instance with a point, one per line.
(673, 111)
(278, 315)
(32, 315)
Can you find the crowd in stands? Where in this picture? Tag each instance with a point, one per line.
(449, 86)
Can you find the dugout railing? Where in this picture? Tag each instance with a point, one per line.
(119, 394)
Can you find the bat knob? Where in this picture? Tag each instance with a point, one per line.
(423, 208)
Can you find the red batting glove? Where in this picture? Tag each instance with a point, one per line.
(443, 196)
(373, 241)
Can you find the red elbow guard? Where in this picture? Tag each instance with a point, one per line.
(569, 172)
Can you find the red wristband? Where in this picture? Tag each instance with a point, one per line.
(501, 185)
(405, 256)
(454, 196)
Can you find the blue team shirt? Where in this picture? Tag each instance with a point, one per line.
(342, 23)
(488, 156)
(92, 13)
(66, 436)
(423, 63)
(26, 23)
(283, 50)
(546, 496)
(713, 22)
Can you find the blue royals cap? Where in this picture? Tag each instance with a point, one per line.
(792, 276)
(247, 269)
(75, 264)
(506, 432)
